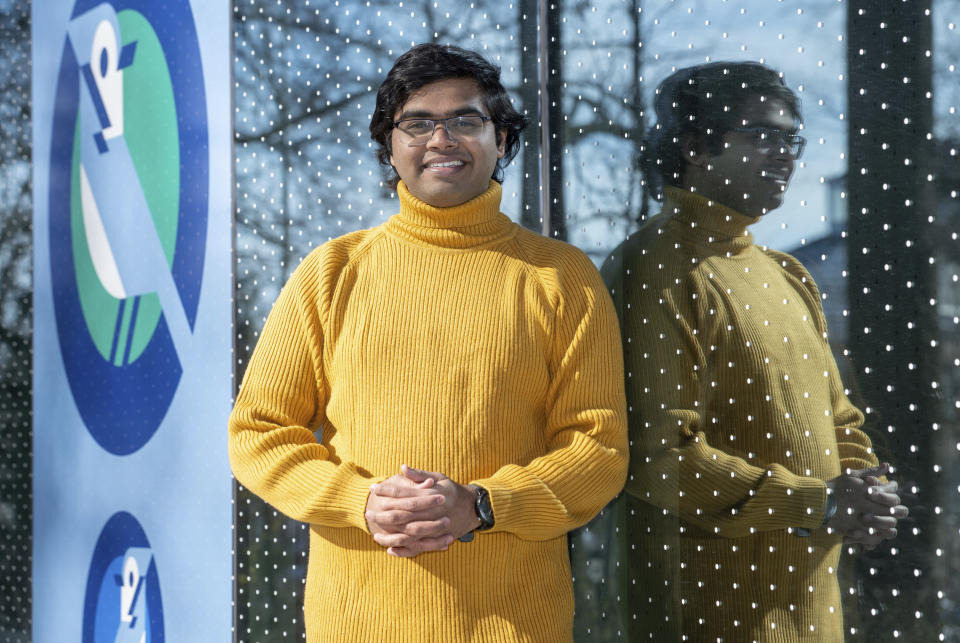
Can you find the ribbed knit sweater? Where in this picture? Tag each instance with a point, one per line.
(455, 341)
(737, 418)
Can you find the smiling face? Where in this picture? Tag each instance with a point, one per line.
(446, 172)
(740, 177)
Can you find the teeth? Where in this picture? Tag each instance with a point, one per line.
(446, 164)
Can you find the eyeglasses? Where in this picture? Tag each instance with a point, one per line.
(768, 139)
(458, 128)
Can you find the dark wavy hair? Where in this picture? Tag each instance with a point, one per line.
(429, 63)
(707, 100)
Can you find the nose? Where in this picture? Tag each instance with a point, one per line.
(441, 137)
(783, 149)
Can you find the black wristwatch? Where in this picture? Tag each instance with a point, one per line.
(484, 512)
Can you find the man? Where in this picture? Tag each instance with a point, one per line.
(449, 339)
(748, 466)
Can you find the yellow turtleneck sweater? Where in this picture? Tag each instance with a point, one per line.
(455, 341)
(737, 417)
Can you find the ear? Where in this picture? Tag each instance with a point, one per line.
(501, 143)
(693, 148)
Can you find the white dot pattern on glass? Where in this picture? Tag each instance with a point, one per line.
(305, 72)
(16, 322)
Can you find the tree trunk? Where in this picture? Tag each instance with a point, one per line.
(530, 215)
(554, 109)
(893, 334)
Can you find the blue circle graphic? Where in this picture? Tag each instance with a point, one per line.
(123, 405)
(122, 601)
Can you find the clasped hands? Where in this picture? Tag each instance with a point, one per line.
(419, 511)
(867, 508)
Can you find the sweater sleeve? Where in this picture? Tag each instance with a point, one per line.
(586, 460)
(669, 330)
(853, 445)
(273, 450)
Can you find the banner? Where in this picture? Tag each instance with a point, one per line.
(132, 531)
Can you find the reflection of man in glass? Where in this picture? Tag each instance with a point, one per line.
(748, 467)
(454, 341)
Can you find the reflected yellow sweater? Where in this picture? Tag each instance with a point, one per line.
(450, 340)
(737, 417)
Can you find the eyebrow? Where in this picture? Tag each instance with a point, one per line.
(466, 110)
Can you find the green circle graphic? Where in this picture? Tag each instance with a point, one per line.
(150, 130)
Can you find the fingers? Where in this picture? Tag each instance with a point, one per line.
(869, 507)
(401, 488)
(876, 472)
(866, 499)
(422, 546)
(883, 495)
(890, 486)
(427, 531)
(871, 530)
(408, 513)
(392, 514)
(409, 482)
(879, 502)
(899, 512)
(421, 476)
(407, 505)
(400, 521)
(878, 523)
(417, 510)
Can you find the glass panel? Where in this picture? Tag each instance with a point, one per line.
(305, 73)
(610, 57)
(16, 304)
(305, 173)
(306, 76)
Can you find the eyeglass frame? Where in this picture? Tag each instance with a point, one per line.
(436, 122)
(786, 141)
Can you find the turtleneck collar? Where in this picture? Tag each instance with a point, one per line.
(470, 224)
(707, 222)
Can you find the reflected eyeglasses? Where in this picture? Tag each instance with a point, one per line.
(769, 139)
(458, 128)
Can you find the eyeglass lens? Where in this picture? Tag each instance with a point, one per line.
(421, 130)
(771, 139)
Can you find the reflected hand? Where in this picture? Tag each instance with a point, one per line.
(867, 509)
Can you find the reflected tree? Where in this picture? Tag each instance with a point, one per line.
(895, 335)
